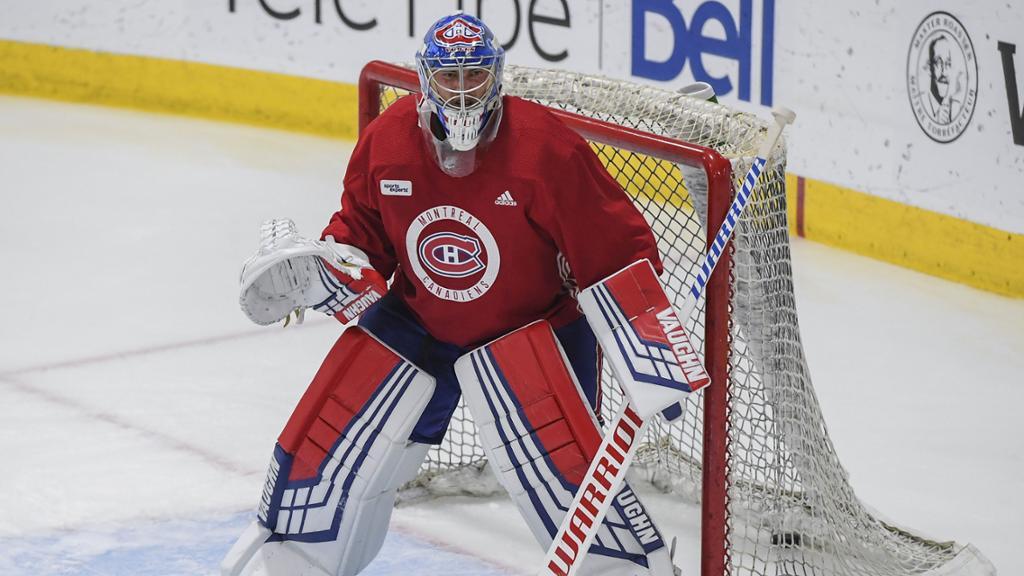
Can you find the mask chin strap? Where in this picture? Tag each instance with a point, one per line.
(437, 129)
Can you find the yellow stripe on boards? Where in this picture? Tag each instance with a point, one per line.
(179, 87)
(929, 242)
(919, 239)
(646, 176)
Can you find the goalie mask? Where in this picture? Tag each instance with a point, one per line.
(459, 67)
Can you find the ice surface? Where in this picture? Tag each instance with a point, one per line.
(195, 547)
(138, 407)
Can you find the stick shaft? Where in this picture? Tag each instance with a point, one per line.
(600, 486)
(739, 204)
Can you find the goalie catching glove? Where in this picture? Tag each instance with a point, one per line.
(290, 273)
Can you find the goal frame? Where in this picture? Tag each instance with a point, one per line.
(714, 468)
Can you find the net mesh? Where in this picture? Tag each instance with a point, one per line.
(791, 510)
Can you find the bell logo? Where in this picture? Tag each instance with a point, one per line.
(687, 44)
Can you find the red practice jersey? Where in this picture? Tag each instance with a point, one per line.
(479, 256)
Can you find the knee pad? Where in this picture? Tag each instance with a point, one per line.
(539, 436)
(337, 465)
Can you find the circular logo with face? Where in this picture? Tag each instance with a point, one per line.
(942, 77)
(452, 253)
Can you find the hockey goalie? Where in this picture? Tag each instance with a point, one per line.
(486, 214)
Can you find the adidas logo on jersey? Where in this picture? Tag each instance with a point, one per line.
(505, 199)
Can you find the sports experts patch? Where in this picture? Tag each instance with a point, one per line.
(396, 188)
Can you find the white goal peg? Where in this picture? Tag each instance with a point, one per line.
(783, 116)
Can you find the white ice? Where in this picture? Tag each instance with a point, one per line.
(138, 407)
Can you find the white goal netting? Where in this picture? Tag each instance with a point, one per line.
(789, 507)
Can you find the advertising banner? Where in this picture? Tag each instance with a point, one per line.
(913, 101)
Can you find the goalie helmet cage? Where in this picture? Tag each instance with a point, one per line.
(753, 447)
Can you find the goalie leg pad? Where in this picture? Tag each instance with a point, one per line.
(337, 465)
(539, 437)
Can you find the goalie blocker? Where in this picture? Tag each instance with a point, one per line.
(644, 339)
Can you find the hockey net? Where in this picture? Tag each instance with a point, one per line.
(753, 448)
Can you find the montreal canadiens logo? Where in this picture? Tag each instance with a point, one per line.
(452, 253)
(458, 33)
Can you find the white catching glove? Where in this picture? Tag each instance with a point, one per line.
(290, 273)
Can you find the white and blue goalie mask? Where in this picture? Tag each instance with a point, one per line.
(460, 67)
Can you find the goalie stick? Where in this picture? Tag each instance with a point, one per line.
(607, 470)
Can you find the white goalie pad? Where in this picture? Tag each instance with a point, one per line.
(289, 273)
(337, 466)
(539, 436)
(643, 339)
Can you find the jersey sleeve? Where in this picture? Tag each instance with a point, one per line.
(592, 220)
(359, 222)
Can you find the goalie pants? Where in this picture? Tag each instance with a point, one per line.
(395, 325)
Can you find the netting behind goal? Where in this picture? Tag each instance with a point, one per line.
(753, 447)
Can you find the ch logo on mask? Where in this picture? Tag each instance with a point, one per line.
(459, 34)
